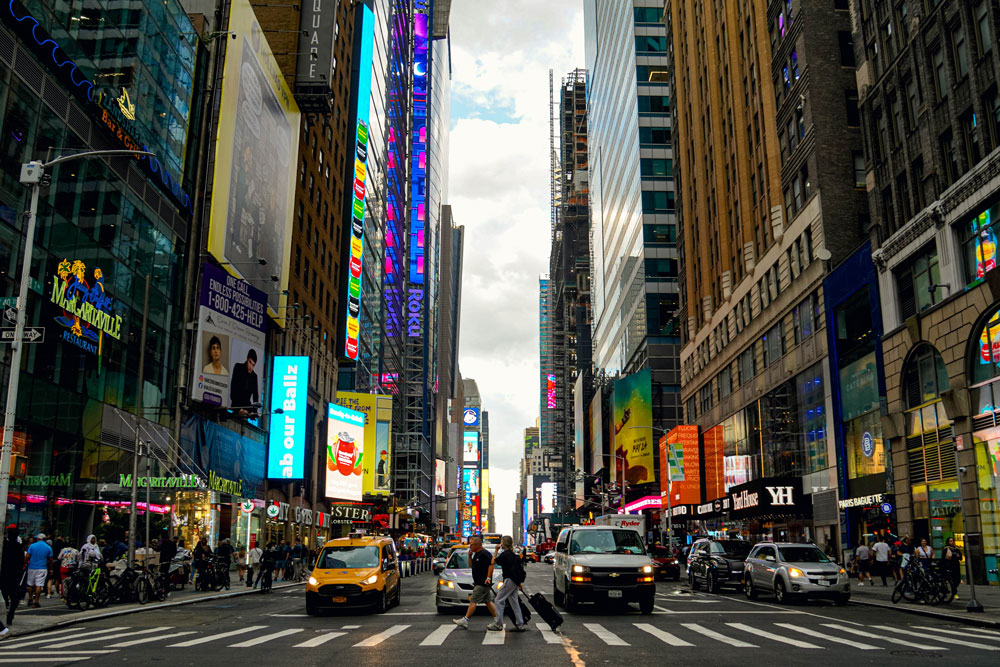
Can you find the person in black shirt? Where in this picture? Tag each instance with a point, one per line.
(482, 580)
(513, 577)
(244, 390)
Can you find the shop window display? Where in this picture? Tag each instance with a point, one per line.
(988, 474)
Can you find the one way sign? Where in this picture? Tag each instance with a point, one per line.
(31, 335)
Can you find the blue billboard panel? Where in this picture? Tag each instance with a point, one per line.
(471, 417)
(286, 448)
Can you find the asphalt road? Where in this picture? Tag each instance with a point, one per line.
(722, 629)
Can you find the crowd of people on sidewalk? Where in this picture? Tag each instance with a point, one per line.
(888, 556)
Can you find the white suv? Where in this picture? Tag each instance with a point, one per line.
(602, 564)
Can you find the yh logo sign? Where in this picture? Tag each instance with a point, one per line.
(780, 495)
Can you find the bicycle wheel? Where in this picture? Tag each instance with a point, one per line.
(101, 595)
(142, 589)
(897, 591)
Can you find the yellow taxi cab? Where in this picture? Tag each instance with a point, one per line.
(354, 573)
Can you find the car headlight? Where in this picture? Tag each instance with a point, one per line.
(370, 580)
(843, 572)
(646, 569)
(795, 572)
(313, 581)
(444, 583)
(579, 568)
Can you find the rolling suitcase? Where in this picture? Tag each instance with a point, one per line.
(545, 609)
(508, 610)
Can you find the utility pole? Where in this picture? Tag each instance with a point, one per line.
(138, 442)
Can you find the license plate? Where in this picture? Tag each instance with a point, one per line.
(823, 582)
(339, 598)
(614, 594)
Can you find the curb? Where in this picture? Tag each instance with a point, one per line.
(955, 618)
(146, 607)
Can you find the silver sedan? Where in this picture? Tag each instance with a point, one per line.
(454, 583)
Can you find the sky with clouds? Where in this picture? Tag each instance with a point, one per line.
(501, 52)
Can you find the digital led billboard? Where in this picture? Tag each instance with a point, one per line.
(377, 456)
(287, 432)
(345, 443)
(550, 391)
(470, 447)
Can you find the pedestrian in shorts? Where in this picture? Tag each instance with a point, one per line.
(862, 561)
(881, 553)
(482, 580)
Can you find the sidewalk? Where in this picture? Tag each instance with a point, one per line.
(988, 596)
(55, 614)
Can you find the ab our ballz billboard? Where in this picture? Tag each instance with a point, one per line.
(355, 232)
(345, 445)
(286, 449)
(256, 151)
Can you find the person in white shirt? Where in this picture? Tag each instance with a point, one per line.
(256, 554)
(881, 551)
(862, 561)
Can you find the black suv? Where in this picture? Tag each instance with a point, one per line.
(717, 563)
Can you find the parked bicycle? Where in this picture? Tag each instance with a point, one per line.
(88, 587)
(922, 585)
(214, 575)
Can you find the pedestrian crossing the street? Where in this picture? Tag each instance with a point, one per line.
(812, 635)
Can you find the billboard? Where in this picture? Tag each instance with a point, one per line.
(357, 229)
(550, 391)
(286, 449)
(578, 440)
(548, 498)
(471, 417)
(440, 478)
(596, 434)
(470, 447)
(230, 341)
(736, 470)
(713, 448)
(314, 69)
(376, 454)
(633, 420)
(345, 437)
(470, 482)
(530, 440)
(680, 460)
(256, 157)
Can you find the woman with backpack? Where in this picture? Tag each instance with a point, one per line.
(513, 577)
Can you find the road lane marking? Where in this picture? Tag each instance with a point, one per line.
(712, 634)
(410, 613)
(494, 637)
(944, 640)
(829, 638)
(266, 638)
(963, 633)
(662, 635)
(76, 632)
(891, 640)
(984, 631)
(770, 635)
(437, 637)
(146, 640)
(350, 627)
(605, 635)
(21, 661)
(87, 640)
(548, 635)
(320, 640)
(56, 653)
(375, 640)
(221, 635)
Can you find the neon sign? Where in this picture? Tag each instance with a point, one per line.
(418, 194)
(551, 390)
(87, 310)
(353, 324)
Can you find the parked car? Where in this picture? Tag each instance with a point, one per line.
(665, 565)
(717, 563)
(454, 584)
(794, 570)
(602, 564)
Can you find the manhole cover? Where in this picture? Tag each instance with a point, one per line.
(917, 654)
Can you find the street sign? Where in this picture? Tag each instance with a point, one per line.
(31, 335)
(8, 301)
(10, 314)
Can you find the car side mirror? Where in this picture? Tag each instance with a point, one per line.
(438, 568)
(561, 548)
(387, 565)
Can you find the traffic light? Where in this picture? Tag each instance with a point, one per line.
(18, 466)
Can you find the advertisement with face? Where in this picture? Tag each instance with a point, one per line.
(376, 454)
(470, 447)
(440, 474)
(470, 481)
(255, 161)
(633, 420)
(230, 342)
(345, 429)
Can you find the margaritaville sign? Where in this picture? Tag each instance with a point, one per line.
(87, 309)
(223, 485)
(170, 482)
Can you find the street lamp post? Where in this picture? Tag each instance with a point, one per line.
(33, 174)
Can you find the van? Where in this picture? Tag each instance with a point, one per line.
(354, 573)
(602, 564)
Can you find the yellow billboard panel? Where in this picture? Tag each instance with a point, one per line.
(377, 453)
(256, 153)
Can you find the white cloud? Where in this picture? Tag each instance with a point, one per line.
(499, 187)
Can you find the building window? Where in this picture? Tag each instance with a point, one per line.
(803, 318)
(970, 137)
(656, 167)
(912, 103)
(725, 380)
(647, 14)
(924, 377)
(650, 44)
(773, 344)
(949, 153)
(961, 52)
(859, 169)
(654, 104)
(657, 201)
(940, 76)
(690, 410)
(796, 195)
(918, 283)
(896, 118)
(846, 48)
(979, 244)
(705, 398)
(991, 109)
(654, 135)
(746, 365)
(984, 40)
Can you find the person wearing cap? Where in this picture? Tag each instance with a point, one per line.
(38, 557)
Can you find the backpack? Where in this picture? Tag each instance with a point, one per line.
(517, 573)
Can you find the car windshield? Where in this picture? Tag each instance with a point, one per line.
(348, 558)
(803, 554)
(606, 542)
(661, 552)
(731, 548)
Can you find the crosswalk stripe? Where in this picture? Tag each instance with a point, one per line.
(829, 638)
(494, 637)
(56, 653)
(320, 640)
(944, 640)
(717, 636)
(662, 635)
(91, 639)
(548, 635)
(48, 636)
(770, 635)
(146, 640)
(984, 631)
(375, 640)
(437, 637)
(891, 640)
(605, 635)
(21, 661)
(266, 638)
(221, 635)
(964, 632)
